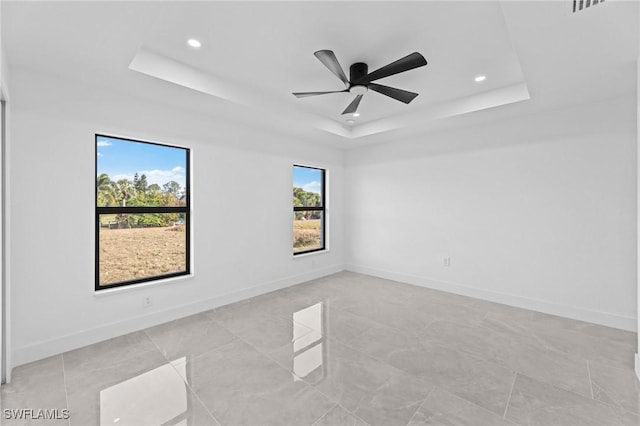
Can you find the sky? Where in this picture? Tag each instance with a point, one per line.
(308, 179)
(122, 159)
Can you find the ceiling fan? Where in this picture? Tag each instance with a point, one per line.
(360, 80)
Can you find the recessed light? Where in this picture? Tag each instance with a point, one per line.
(480, 78)
(356, 114)
(194, 43)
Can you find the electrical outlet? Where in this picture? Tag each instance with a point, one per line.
(446, 261)
(146, 301)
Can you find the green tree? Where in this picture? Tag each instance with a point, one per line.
(105, 191)
(172, 188)
(140, 183)
(138, 193)
(125, 191)
(297, 203)
(302, 198)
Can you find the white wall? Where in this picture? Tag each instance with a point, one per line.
(637, 358)
(3, 59)
(3, 286)
(538, 212)
(242, 214)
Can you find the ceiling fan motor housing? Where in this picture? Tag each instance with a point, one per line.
(357, 71)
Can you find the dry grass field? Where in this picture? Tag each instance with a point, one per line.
(127, 254)
(306, 235)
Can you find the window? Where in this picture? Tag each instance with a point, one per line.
(308, 209)
(142, 212)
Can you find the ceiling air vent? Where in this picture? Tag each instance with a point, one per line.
(579, 5)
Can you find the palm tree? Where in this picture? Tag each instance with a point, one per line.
(105, 190)
(125, 191)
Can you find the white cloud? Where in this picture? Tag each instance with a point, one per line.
(159, 177)
(116, 178)
(99, 154)
(312, 186)
(104, 143)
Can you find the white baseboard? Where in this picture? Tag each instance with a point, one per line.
(60, 344)
(57, 345)
(581, 314)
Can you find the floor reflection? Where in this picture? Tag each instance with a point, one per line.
(157, 397)
(308, 342)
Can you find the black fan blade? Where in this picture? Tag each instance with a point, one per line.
(392, 92)
(353, 106)
(328, 58)
(307, 94)
(407, 63)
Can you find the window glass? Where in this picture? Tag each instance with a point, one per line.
(308, 209)
(142, 211)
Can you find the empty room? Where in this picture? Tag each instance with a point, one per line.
(319, 213)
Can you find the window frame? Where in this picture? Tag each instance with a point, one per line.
(322, 209)
(186, 209)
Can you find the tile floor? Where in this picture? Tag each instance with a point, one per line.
(347, 349)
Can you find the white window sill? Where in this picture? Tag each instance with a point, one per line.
(145, 285)
(296, 256)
